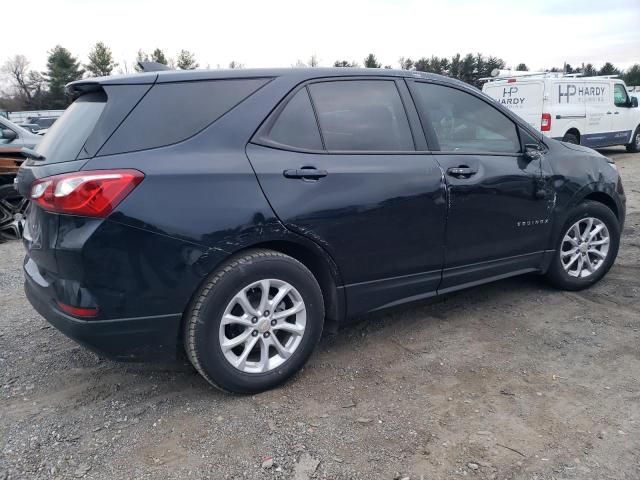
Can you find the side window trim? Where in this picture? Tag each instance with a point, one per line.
(430, 133)
(615, 84)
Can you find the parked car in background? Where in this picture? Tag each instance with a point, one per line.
(39, 125)
(284, 199)
(590, 111)
(13, 135)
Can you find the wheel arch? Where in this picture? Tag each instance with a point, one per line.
(573, 130)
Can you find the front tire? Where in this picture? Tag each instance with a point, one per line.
(586, 248)
(255, 322)
(634, 146)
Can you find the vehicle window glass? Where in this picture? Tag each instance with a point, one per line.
(64, 140)
(362, 115)
(196, 105)
(463, 122)
(620, 97)
(296, 125)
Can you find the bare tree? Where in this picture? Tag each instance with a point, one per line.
(17, 68)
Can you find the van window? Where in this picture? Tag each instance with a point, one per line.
(172, 112)
(463, 122)
(361, 115)
(620, 97)
(296, 125)
(65, 138)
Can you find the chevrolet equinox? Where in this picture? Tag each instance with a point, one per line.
(230, 214)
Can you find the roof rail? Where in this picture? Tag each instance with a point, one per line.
(152, 66)
(507, 74)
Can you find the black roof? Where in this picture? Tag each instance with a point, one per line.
(299, 74)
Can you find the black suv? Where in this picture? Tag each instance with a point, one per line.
(233, 213)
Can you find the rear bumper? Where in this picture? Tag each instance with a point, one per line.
(141, 338)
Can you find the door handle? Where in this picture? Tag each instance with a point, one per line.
(305, 173)
(608, 113)
(461, 171)
(616, 113)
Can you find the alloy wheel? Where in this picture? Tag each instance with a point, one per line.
(585, 247)
(262, 326)
(12, 213)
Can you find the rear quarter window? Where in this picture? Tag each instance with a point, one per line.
(65, 138)
(172, 112)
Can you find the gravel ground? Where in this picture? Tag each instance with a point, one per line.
(512, 380)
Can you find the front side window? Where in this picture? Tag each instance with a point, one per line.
(620, 97)
(361, 115)
(463, 122)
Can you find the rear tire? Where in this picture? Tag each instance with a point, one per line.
(571, 138)
(242, 341)
(577, 248)
(634, 146)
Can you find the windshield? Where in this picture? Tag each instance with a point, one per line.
(67, 135)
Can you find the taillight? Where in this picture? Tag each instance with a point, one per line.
(545, 124)
(78, 311)
(88, 194)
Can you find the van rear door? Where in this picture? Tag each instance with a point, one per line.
(523, 97)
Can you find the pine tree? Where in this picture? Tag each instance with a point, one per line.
(522, 67)
(608, 69)
(371, 61)
(632, 76)
(101, 62)
(62, 68)
(186, 60)
(158, 56)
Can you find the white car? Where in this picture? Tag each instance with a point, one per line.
(590, 111)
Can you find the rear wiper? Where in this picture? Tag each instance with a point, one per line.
(27, 152)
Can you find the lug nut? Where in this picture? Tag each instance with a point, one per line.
(266, 334)
(254, 333)
(266, 313)
(273, 322)
(254, 320)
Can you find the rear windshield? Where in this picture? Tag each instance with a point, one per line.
(65, 138)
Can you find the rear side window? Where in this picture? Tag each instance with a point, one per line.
(361, 115)
(296, 125)
(65, 138)
(463, 122)
(173, 112)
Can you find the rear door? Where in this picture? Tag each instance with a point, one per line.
(498, 222)
(523, 97)
(357, 186)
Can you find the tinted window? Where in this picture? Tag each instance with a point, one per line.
(362, 115)
(173, 112)
(463, 122)
(296, 125)
(620, 97)
(66, 136)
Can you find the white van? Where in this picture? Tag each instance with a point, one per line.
(590, 111)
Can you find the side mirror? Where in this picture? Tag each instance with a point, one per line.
(532, 151)
(634, 102)
(9, 134)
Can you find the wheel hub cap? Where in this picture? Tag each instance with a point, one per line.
(262, 326)
(585, 247)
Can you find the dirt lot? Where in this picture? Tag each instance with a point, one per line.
(509, 380)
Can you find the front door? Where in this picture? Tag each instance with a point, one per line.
(357, 187)
(499, 219)
(624, 117)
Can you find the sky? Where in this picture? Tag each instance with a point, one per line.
(277, 33)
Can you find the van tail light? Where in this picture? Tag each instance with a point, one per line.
(545, 124)
(89, 194)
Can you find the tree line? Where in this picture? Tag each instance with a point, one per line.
(34, 90)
